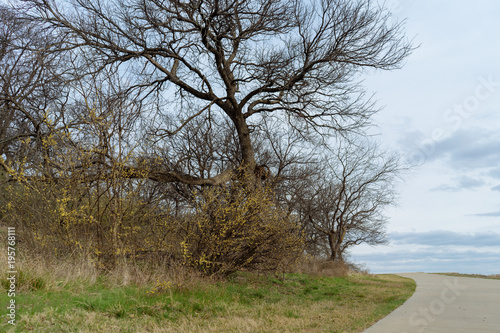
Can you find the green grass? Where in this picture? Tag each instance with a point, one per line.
(245, 303)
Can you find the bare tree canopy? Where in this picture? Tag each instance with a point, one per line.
(32, 92)
(345, 207)
(230, 63)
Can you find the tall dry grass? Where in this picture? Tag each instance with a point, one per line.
(42, 272)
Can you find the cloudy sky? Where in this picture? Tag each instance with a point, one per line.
(442, 112)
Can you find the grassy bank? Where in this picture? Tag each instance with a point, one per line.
(244, 303)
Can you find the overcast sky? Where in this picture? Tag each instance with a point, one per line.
(442, 111)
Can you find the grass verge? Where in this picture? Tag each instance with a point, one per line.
(244, 303)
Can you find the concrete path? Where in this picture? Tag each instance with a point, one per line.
(443, 304)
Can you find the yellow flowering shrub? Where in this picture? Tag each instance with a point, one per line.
(74, 219)
(238, 227)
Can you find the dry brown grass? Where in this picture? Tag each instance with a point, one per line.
(57, 273)
(323, 267)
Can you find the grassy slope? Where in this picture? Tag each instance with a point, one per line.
(246, 303)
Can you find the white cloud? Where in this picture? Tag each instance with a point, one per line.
(492, 214)
(495, 173)
(432, 260)
(434, 251)
(448, 238)
(470, 149)
(463, 183)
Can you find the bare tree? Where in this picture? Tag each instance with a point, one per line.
(237, 60)
(346, 207)
(33, 91)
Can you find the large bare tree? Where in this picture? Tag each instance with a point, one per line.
(230, 62)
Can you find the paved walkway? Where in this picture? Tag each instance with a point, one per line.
(443, 304)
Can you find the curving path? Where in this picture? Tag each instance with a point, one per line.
(443, 304)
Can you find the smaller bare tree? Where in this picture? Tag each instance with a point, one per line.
(346, 207)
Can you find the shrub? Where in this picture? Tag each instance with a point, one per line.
(217, 231)
(73, 219)
(239, 227)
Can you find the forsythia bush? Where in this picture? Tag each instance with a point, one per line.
(73, 219)
(237, 228)
(218, 231)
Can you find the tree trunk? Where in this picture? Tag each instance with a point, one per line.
(247, 153)
(335, 242)
(333, 247)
